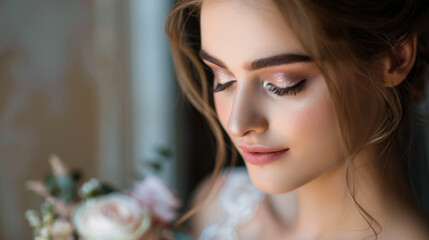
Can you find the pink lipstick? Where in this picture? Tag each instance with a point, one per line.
(262, 155)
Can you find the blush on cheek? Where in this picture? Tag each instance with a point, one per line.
(318, 126)
(318, 122)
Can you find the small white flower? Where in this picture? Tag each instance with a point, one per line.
(40, 238)
(33, 218)
(89, 186)
(48, 219)
(46, 231)
(62, 230)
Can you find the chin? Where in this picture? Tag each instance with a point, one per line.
(272, 189)
(274, 185)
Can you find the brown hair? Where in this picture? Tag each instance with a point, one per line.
(347, 39)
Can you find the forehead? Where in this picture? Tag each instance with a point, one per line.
(237, 31)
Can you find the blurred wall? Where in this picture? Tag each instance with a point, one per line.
(63, 89)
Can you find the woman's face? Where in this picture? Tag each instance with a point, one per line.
(239, 40)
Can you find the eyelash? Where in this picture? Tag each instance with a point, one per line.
(293, 90)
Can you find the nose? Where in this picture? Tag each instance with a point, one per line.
(247, 113)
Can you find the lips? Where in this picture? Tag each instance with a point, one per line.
(258, 155)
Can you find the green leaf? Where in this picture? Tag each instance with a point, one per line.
(164, 151)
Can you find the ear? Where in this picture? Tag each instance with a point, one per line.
(400, 63)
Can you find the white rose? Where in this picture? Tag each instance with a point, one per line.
(62, 230)
(111, 217)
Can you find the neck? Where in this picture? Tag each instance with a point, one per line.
(326, 207)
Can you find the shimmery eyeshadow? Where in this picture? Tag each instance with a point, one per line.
(282, 79)
(222, 75)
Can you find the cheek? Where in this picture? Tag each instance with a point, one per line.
(223, 108)
(318, 141)
(308, 123)
(313, 126)
(309, 128)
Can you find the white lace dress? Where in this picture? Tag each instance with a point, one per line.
(238, 200)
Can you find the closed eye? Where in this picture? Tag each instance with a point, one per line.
(220, 87)
(292, 90)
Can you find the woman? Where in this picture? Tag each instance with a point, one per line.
(313, 95)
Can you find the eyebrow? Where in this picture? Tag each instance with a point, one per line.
(287, 58)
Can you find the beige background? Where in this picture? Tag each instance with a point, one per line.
(65, 88)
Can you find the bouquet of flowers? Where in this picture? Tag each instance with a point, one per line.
(96, 211)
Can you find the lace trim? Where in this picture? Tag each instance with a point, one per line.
(238, 201)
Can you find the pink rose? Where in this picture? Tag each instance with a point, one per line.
(153, 193)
